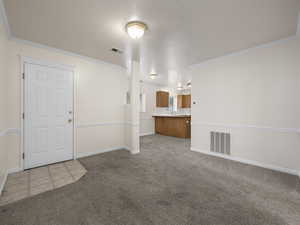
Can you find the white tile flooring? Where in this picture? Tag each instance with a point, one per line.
(38, 180)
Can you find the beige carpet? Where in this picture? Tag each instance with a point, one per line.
(166, 184)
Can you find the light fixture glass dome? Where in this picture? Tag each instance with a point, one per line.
(136, 29)
(153, 76)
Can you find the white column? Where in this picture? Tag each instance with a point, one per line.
(135, 105)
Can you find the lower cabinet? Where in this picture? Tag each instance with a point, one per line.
(173, 126)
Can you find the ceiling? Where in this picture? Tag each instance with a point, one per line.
(181, 32)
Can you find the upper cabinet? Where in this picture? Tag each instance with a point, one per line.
(162, 99)
(184, 101)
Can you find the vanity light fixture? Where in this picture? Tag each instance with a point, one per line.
(136, 29)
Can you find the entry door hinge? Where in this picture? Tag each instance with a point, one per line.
(23, 75)
(23, 116)
(23, 155)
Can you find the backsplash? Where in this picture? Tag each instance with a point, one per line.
(160, 110)
(184, 111)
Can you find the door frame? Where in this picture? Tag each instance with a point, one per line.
(71, 68)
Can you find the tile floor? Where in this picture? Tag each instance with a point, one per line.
(38, 180)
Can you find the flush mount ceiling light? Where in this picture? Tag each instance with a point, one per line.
(136, 29)
(153, 76)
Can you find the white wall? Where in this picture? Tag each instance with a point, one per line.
(3, 103)
(259, 87)
(146, 119)
(99, 101)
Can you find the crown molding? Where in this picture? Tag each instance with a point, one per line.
(4, 20)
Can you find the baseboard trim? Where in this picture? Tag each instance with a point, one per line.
(14, 170)
(85, 154)
(127, 148)
(134, 152)
(2, 183)
(146, 134)
(249, 162)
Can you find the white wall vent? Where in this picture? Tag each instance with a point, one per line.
(220, 142)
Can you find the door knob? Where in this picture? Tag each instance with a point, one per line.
(70, 120)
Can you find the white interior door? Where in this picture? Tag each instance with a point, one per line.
(48, 133)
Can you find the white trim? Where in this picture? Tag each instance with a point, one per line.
(127, 148)
(244, 51)
(84, 125)
(85, 154)
(30, 60)
(3, 183)
(14, 170)
(10, 131)
(22, 103)
(134, 152)
(147, 119)
(249, 162)
(146, 134)
(68, 53)
(75, 101)
(298, 26)
(3, 18)
(131, 124)
(16, 131)
(278, 129)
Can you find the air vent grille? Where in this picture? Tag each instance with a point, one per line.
(220, 142)
(116, 50)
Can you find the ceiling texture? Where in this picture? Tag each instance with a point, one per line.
(181, 32)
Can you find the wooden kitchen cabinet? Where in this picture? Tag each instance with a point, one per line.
(162, 99)
(184, 101)
(173, 126)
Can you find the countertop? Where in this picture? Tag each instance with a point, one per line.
(170, 115)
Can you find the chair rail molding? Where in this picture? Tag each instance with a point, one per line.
(99, 124)
(223, 125)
